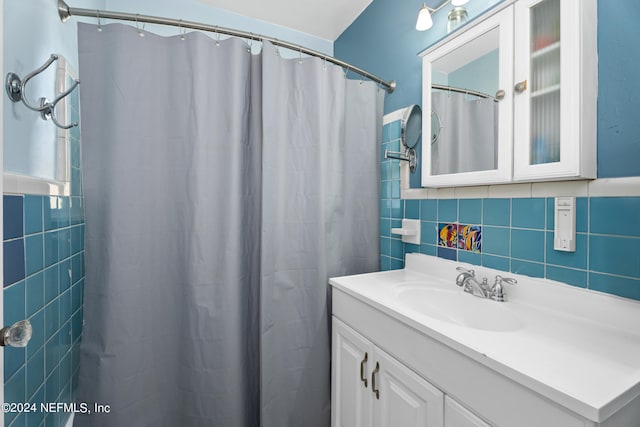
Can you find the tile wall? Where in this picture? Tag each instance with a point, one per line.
(43, 282)
(516, 234)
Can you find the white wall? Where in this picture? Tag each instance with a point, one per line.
(33, 31)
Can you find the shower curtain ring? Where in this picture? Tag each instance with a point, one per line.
(181, 30)
(215, 30)
(300, 56)
(140, 31)
(250, 43)
(99, 22)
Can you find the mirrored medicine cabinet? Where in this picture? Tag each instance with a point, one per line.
(512, 97)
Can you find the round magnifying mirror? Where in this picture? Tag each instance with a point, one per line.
(411, 126)
(436, 127)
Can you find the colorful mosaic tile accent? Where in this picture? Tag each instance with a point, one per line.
(460, 236)
(470, 237)
(448, 235)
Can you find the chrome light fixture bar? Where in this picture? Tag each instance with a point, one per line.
(425, 21)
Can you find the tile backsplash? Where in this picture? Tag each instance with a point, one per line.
(43, 282)
(516, 234)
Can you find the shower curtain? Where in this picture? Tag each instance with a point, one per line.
(467, 140)
(221, 190)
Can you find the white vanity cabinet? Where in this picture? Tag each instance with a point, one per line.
(372, 388)
(556, 89)
(530, 68)
(457, 416)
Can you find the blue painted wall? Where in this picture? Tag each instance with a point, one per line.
(383, 40)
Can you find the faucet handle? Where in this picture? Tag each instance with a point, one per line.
(500, 279)
(464, 270)
(497, 290)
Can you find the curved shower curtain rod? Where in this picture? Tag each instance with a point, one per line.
(65, 12)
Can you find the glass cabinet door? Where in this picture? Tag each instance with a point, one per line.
(544, 53)
(552, 60)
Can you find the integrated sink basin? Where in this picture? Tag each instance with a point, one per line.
(457, 307)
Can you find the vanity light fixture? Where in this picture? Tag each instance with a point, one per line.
(425, 21)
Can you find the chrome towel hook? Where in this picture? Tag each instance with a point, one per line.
(16, 90)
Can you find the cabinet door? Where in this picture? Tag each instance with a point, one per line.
(555, 89)
(457, 416)
(467, 100)
(351, 390)
(403, 398)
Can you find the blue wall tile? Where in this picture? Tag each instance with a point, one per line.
(397, 209)
(528, 213)
(615, 215)
(496, 240)
(496, 262)
(34, 253)
(14, 303)
(385, 246)
(531, 269)
(614, 255)
(412, 209)
(32, 214)
(34, 293)
(385, 227)
(447, 210)
(15, 391)
(385, 208)
(50, 248)
(13, 227)
(37, 338)
(429, 232)
(428, 249)
(470, 211)
(429, 210)
(624, 287)
(567, 275)
(396, 264)
(13, 261)
(470, 257)
(397, 249)
(14, 359)
(447, 253)
(496, 212)
(527, 244)
(35, 372)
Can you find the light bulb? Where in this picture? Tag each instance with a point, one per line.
(424, 21)
(459, 2)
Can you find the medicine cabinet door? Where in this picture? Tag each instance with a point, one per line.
(555, 89)
(468, 106)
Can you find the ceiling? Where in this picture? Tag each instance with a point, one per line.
(326, 19)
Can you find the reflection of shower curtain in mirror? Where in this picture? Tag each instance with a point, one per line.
(468, 139)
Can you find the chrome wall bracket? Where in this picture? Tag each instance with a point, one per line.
(408, 156)
(16, 90)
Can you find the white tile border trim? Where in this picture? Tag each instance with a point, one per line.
(23, 184)
(606, 187)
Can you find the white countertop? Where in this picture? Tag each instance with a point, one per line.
(579, 348)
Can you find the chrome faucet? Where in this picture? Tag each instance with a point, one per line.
(467, 280)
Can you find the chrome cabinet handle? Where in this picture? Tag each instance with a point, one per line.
(373, 381)
(500, 95)
(16, 335)
(521, 86)
(363, 377)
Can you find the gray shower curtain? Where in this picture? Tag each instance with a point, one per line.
(222, 189)
(467, 140)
